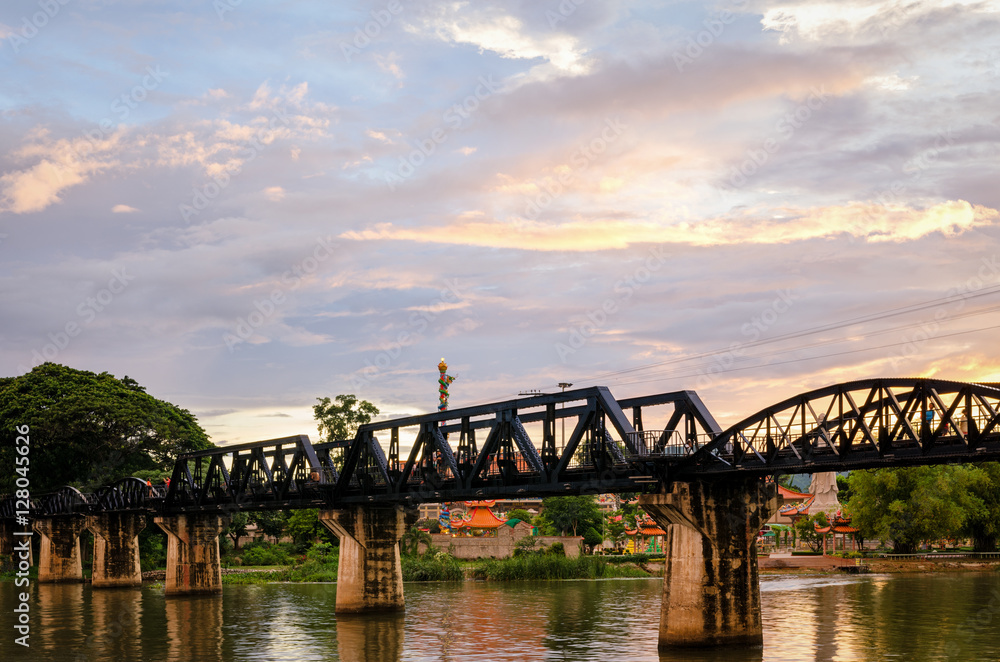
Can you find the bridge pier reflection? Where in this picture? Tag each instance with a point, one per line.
(201, 614)
(193, 562)
(711, 592)
(59, 558)
(369, 572)
(370, 637)
(116, 548)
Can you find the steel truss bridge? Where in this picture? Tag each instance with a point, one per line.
(524, 448)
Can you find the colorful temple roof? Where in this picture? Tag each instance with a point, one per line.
(790, 495)
(479, 516)
(796, 509)
(840, 523)
(647, 527)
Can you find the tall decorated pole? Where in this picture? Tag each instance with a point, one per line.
(444, 381)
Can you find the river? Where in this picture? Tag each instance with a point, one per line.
(911, 618)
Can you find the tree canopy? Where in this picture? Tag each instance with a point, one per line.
(341, 418)
(90, 429)
(913, 505)
(571, 514)
(521, 514)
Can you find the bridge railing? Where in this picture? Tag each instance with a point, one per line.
(666, 443)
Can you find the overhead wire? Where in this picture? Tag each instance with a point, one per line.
(892, 312)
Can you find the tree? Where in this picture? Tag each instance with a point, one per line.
(912, 505)
(614, 528)
(982, 522)
(340, 419)
(571, 513)
(843, 489)
(629, 511)
(271, 523)
(412, 539)
(90, 429)
(805, 527)
(304, 527)
(237, 527)
(521, 514)
(592, 537)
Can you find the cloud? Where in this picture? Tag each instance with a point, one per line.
(274, 193)
(853, 19)
(218, 147)
(123, 209)
(61, 164)
(378, 135)
(873, 223)
(491, 29)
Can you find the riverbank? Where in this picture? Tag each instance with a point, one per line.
(442, 567)
(542, 567)
(880, 566)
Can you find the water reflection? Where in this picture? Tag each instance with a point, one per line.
(822, 619)
(371, 638)
(115, 632)
(59, 614)
(748, 654)
(194, 627)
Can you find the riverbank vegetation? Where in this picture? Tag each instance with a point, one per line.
(263, 563)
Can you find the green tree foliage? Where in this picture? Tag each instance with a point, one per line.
(982, 523)
(592, 537)
(90, 429)
(805, 528)
(913, 505)
(843, 489)
(410, 543)
(571, 513)
(271, 523)
(304, 527)
(237, 527)
(614, 529)
(630, 513)
(521, 514)
(341, 418)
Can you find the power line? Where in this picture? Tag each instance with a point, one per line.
(892, 312)
(813, 358)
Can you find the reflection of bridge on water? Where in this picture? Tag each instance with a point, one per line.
(702, 484)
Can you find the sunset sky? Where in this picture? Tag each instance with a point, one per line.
(248, 205)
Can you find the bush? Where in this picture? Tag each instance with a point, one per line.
(550, 566)
(264, 554)
(556, 549)
(439, 567)
(849, 555)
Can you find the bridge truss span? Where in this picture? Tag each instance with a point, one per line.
(575, 442)
(856, 425)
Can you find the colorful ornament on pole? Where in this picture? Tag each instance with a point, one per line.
(444, 381)
(444, 519)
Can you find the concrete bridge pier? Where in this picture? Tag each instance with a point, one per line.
(193, 560)
(369, 573)
(711, 592)
(116, 548)
(59, 558)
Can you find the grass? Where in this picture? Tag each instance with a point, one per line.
(548, 566)
(440, 567)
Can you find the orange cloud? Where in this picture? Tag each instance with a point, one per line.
(872, 223)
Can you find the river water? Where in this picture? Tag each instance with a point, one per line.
(911, 618)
